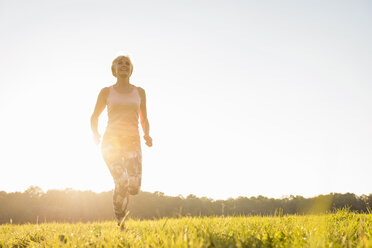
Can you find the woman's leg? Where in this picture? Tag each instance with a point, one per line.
(121, 190)
(113, 156)
(134, 172)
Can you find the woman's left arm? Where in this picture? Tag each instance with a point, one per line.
(143, 115)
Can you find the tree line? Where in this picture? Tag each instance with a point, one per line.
(36, 206)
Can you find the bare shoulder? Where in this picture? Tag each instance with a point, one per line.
(104, 90)
(141, 91)
(103, 95)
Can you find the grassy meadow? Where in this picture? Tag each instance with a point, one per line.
(342, 229)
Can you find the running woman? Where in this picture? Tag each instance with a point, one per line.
(121, 147)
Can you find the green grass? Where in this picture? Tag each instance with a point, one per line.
(343, 229)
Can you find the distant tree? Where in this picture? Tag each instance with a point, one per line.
(74, 206)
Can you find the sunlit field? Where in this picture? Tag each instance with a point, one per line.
(342, 229)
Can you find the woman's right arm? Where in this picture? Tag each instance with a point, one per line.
(100, 106)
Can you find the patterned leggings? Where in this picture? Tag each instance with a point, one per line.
(124, 160)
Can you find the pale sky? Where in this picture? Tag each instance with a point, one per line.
(244, 98)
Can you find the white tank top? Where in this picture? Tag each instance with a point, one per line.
(123, 112)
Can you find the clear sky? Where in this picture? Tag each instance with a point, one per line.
(244, 98)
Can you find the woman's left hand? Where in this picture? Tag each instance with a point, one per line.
(148, 140)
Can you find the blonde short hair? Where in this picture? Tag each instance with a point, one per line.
(115, 61)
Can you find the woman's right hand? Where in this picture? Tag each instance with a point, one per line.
(97, 138)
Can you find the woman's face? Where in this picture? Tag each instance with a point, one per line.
(123, 67)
